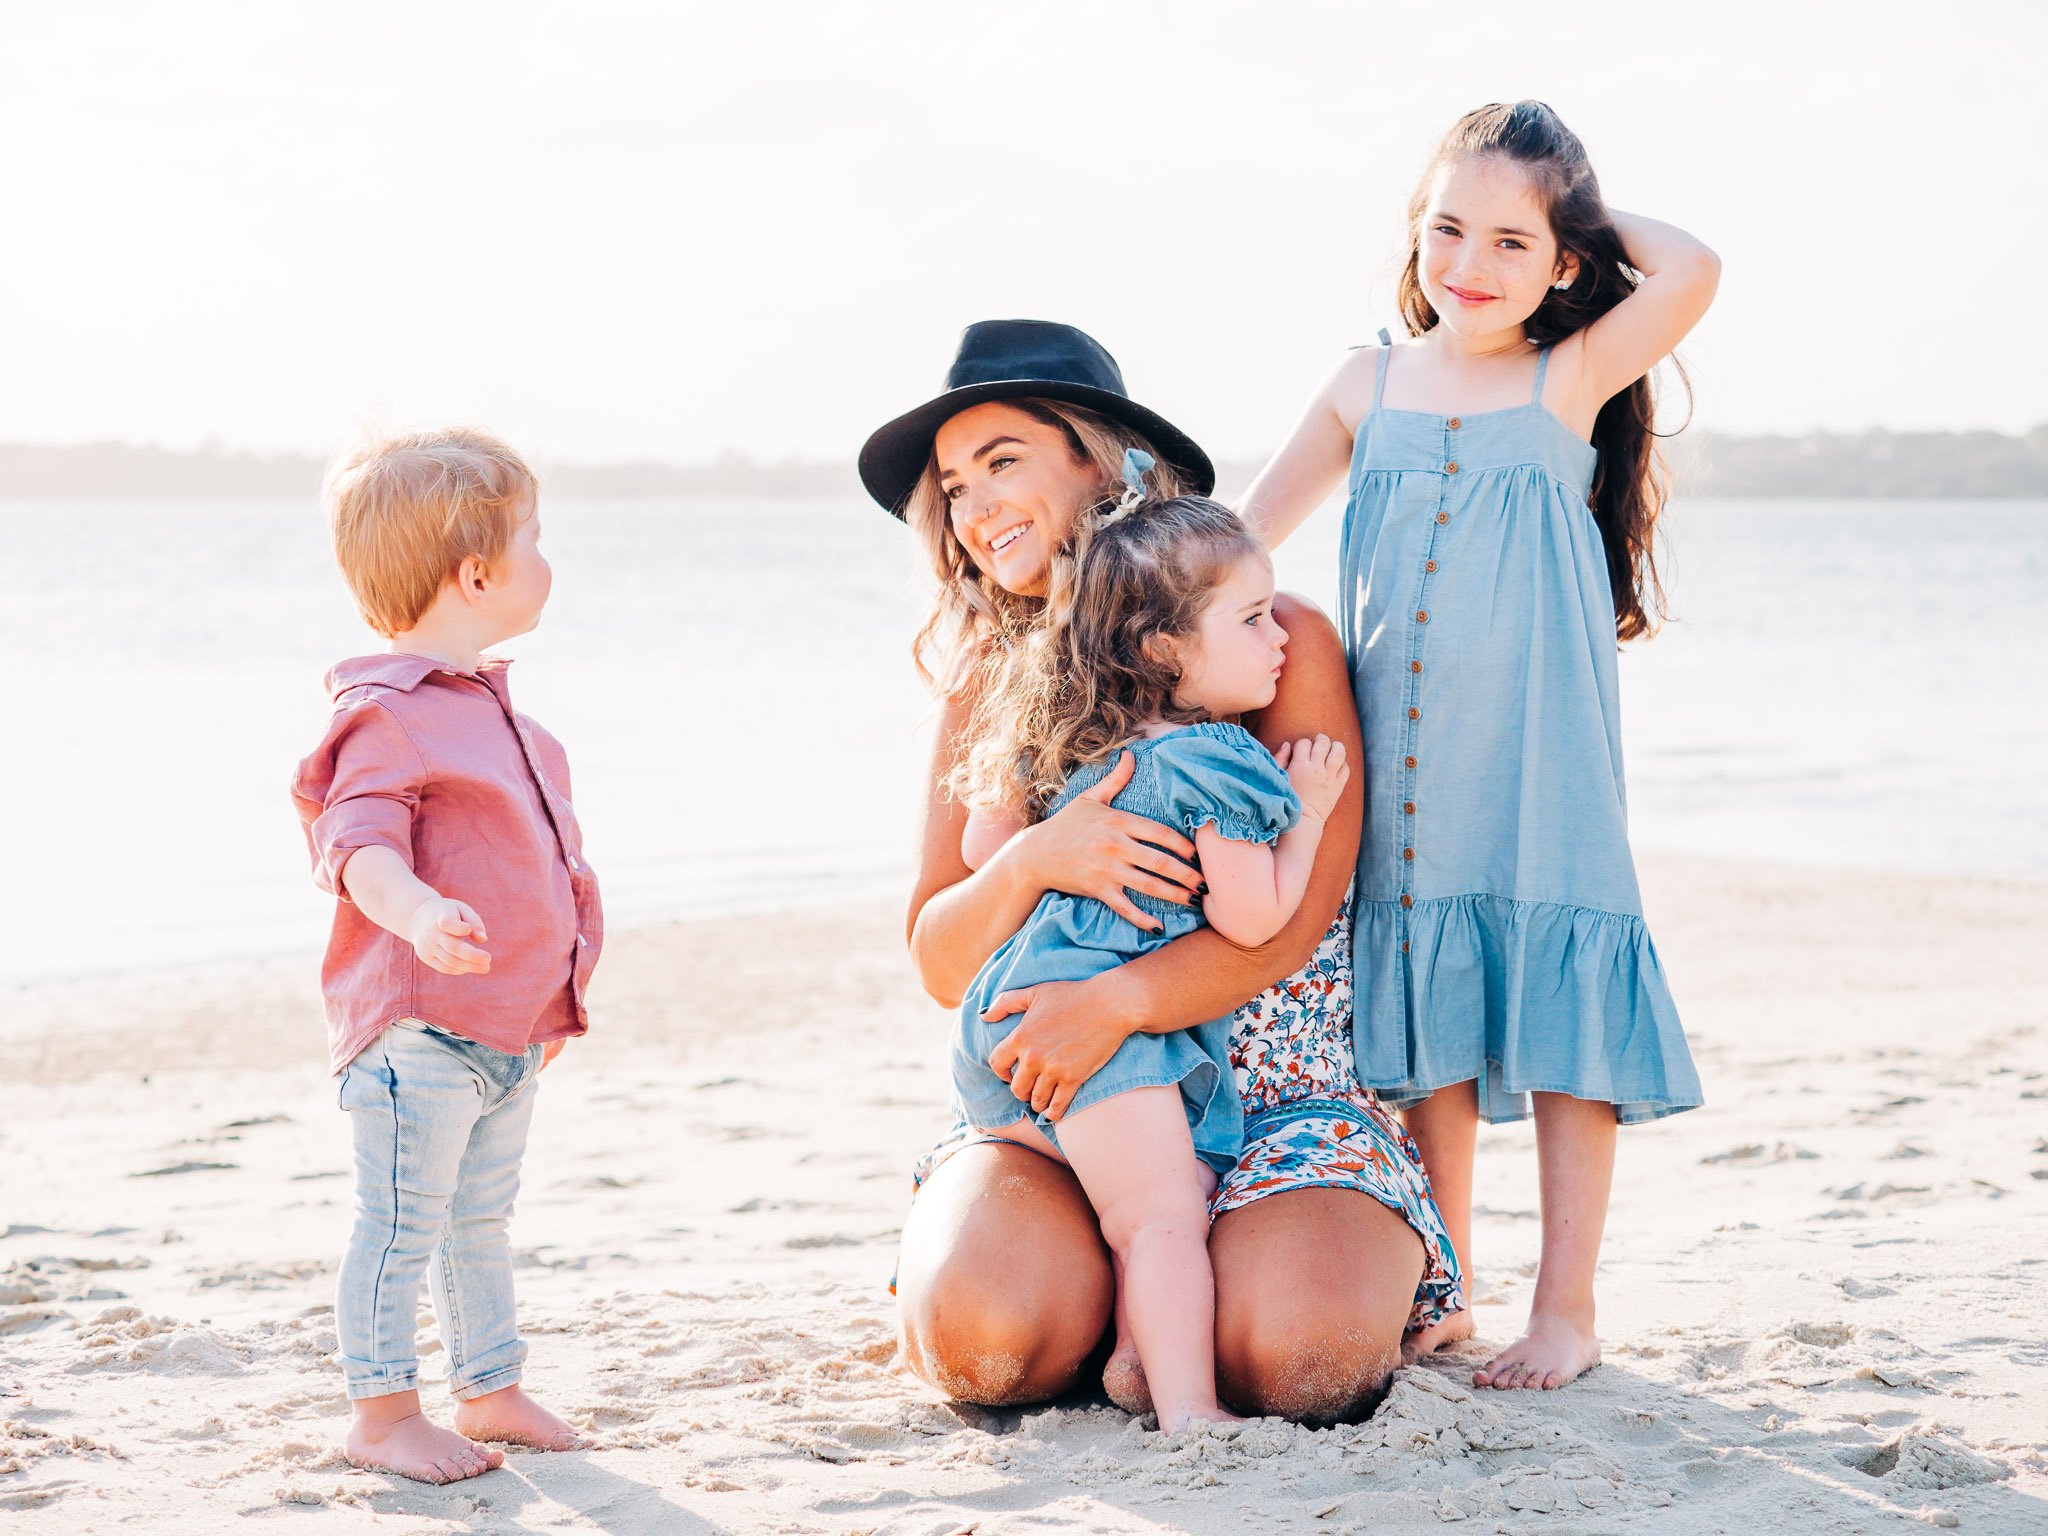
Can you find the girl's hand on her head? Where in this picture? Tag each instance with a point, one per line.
(439, 930)
(1059, 1044)
(1089, 848)
(1317, 770)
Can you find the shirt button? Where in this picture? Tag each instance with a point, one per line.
(1407, 762)
(1422, 616)
(1443, 517)
(1408, 806)
(1414, 666)
(1454, 423)
(572, 862)
(582, 941)
(1407, 900)
(1414, 714)
(1451, 468)
(1404, 946)
(1408, 854)
(1429, 565)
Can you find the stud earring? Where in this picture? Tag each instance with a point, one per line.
(1561, 286)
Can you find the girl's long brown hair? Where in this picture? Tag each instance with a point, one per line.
(1631, 482)
(1087, 680)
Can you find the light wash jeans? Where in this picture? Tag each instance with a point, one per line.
(440, 1125)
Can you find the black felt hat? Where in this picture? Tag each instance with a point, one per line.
(1013, 360)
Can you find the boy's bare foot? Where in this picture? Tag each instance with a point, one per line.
(508, 1414)
(1123, 1378)
(1552, 1351)
(1451, 1329)
(390, 1434)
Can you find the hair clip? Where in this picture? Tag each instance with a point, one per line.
(1136, 462)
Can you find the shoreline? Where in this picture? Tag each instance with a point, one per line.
(1814, 1290)
(36, 992)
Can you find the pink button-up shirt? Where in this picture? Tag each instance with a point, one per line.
(437, 766)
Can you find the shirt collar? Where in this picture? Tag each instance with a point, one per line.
(406, 672)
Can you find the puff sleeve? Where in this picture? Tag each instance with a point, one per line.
(358, 789)
(1220, 774)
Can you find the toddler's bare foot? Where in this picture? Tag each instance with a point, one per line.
(1210, 1414)
(508, 1414)
(1552, 1351)
(1124, 1379)
(385, 1437)
(1451, 1329)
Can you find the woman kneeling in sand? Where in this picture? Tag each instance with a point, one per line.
(1327, 1247)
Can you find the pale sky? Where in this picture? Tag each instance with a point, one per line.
(662, 231)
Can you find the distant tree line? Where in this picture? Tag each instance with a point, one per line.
(1856, 465)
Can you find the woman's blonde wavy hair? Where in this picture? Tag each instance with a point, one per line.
(973, 620)
(1090, 676)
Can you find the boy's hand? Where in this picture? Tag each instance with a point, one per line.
(437, 930)
(1317, 771)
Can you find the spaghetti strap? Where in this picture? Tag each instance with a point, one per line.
(1379, 382)
(1542, 366)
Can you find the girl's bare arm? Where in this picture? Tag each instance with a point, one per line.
(1313, 460)
(1680, 275)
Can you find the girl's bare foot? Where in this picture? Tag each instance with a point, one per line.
(390, 1434)
(1123, 1378)
(1552, 1351)
(509, 1415)
(1210, 1414)
(1451, 1329)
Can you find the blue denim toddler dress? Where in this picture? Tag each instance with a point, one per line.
(1189, 778)
(1499, 933)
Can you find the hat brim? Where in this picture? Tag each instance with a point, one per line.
(896, 453)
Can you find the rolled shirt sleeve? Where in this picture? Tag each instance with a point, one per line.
(360, 788)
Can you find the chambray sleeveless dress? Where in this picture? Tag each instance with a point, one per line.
(1498, 930)
(1189, 778)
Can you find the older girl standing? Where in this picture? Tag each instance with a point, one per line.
(1504, 489)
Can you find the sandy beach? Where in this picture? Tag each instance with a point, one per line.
(1822, 1294)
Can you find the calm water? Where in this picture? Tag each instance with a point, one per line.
(1857, 684)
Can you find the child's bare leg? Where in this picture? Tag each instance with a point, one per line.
(1123, 1377)
(1445, 1127)
(391, 1434)
(1136, 1160)
(1575, 1165)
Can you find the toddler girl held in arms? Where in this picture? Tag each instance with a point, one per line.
(1158, 629)
(465, 929)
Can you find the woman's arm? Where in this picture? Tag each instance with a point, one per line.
(960, 916)
(1312, 462)
(1069, 1029)
(1680, 275)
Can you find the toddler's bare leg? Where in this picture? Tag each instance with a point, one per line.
(1575, 1169)
(1136, 1160)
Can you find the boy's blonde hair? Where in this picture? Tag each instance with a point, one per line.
(406, 511)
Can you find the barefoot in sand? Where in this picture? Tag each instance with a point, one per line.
(1554, 1350)
(1451, 1329)
(511, 1416)
(1218, 1415)
(390, 1434)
